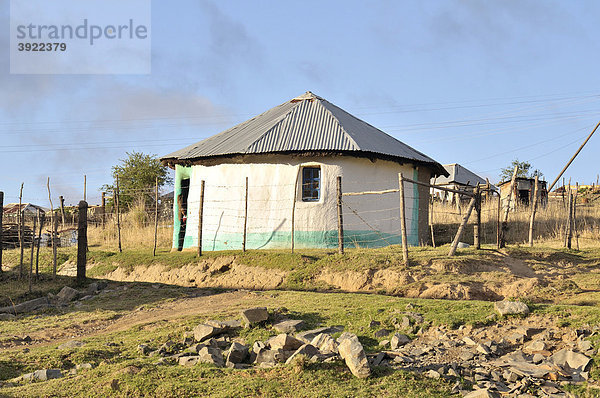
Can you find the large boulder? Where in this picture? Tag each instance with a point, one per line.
(308, 335)
(266, 358)
(26, 306)
(289, 326)
(237, 353)
(252, 316)
(354, 355)
(325, 343)
(511, 308)
(211, 355)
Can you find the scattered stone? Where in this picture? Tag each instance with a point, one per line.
(374, 324)
(6, 317)
(211, 355)
(26, 306)
(257, 346)
(289, 326)
(534, 346)
(353, 353)
(45, 374)
(325, 343)
(85, 366)
(469, 341)
(399, 340)
(204, 331)
(189, 360)
(266, 357)
(482, 349)
(67, 294)
(237, 353)
(92, 288)
(432, 374)
(308, 335)
(511, 308)
(584, 345)
(376, 361)
(252, 316)
(482, 393)
(308, 350)
(515, 338)
(382, 333)
(574, 360)
(404, 323)
(284, 342)
(466, 355)
(71, 344)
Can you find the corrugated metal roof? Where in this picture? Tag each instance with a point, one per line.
(460, 175)
(304, 124)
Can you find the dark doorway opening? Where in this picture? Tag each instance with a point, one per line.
(182, 202)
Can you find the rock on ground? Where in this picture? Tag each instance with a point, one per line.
(289, 326)
(255, 315)
(325, 343)
(67, 294)
(204, 331)
(284, 342)
(237, 353)
(354, 355)
(308, 350)
(511, 308)
(71, 344)
(26, 306)
(399, 340)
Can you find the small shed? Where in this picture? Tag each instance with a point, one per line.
(291, 157)
(523, 192)
(459, 178)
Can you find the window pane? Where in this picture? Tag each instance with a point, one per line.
(311, 184)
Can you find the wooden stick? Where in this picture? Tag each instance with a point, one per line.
(20, 231)
(504, 228)
(103, 209)
(116, 200)
(245, 216)
(84, 187)
(32, 251)
(200, 218)
(82, 242)
(42, 218)
(569, 233)
(62, 210)
(477, 224)
(155, 216)
(1, 233)
(575, 214)
(463, 224)
(431, 220)
(294, 208)
(54, 243)
(403, 231)
(533, 210)
(340, 216)
(52, 231)
(440, 187)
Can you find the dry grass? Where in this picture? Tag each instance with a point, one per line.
(549, 223)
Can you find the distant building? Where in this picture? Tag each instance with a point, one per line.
(523, 192)
(29, 209)
(460, 178)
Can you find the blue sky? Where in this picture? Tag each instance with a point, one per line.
(472, 82)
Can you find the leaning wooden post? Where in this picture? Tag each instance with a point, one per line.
(403, 219)
(340, 218)
(155, 216)
(62, 210)
(245, 217)
(533, 210)
(200, 217)
(504, 228)
(464, 223)
(82, 241)
(32, 250)
(477, 224)
(41, 220)
(1, 233)
(116, 200)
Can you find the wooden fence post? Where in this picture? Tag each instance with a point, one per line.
(403, 219)
(54, 242)
(569, 232)
(432, 197)
(464, 223)
(200, 217)
(82, 241)
(103, 209)
(84, 187)
(533, 210)
(32, 251)
(1, 233)
(62, 210)
(19, 212)
(575, 215)
(504, 228)
(477, 224)
(340, 217)
(53, 229)
(498, 233)
(116, 201)
(21, 241)
(294, 210)
(41, 220)
(155, 216)
(245, 217)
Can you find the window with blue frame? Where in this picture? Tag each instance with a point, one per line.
(311, 184)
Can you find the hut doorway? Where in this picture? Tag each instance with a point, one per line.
(182, 203)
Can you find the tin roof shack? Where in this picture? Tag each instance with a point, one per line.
(10, 223)
(459, 178)
(291, 156)
(523, 192)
